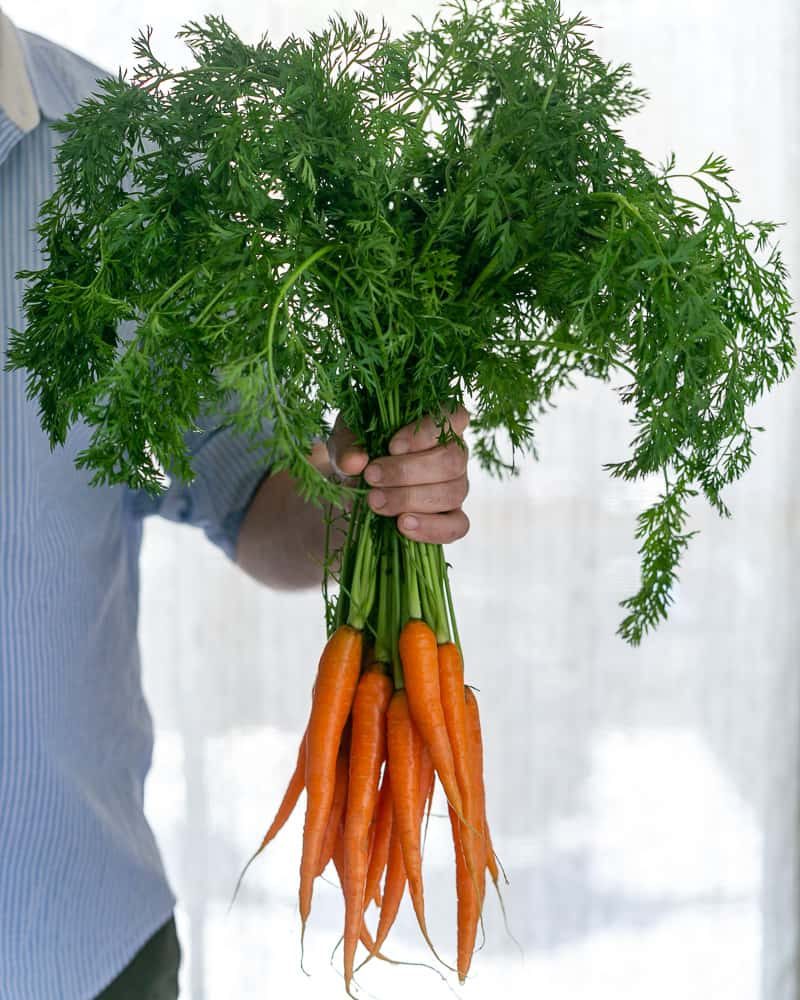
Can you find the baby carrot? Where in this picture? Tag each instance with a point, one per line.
(396, 880)
(475, 743)
(405, 748)
(338, 862)
(393, 890)
(334, 690)
(296, 785)
(468, 907)
(419, 656)
(338, 805)
(367, 752)
(454, 706)
(379, 855)
(474, 858)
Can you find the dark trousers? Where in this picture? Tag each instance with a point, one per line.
(152, 973)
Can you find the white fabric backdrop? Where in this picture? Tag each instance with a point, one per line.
(645, 803)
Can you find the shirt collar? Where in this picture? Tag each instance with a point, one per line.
(59, 79)
(17, 98)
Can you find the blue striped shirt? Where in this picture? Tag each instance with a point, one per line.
(82, 885)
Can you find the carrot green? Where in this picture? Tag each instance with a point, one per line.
(380, 226)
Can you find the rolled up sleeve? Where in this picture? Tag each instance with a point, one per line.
(229, 467)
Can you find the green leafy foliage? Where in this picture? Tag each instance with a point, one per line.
(386, 226)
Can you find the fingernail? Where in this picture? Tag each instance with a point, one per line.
(373, 474)
(377, 499)
(399, 446)
(410, 522)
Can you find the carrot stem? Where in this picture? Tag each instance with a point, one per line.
(399, 611)
(433, 573)
(342, 604)
(412, 583)
(450, 605)
(362, 587)
(383, 641)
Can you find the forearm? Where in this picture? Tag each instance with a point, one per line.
(282, 538)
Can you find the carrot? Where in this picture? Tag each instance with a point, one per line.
(405, 770)
(466, 897)
(469, 842)
(491, 858)
(454, 706)
(338, 862)
(427, 781)
(338, 805)
(475, 742)
(419, 656)
(296, 785)
(396, 879)
(379, 854)
(334, 690)
(367, 752)
(393, 889)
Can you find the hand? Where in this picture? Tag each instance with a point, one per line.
(420, 482)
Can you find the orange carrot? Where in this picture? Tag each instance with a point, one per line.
(296, 785)
(396, 880)
(419, 656)
(367, 752)
(338, 805)
(466, 900)
(379, 854)
(475, 742)
(334, 690)
(404, 754)
(471, 860)
(454, 706)
(393, 889)
(491, 858)
(338, 862)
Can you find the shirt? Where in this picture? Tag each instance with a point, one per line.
(82, 884)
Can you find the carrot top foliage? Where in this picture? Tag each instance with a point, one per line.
(374, 225)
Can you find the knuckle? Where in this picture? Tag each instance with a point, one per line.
(453, 460)
(397, 501)
(456, 493)
(401, 472)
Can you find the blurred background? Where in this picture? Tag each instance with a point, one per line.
(644, 802)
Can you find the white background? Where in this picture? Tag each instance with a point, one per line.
(643, 802)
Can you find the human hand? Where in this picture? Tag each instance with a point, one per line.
(420, 482)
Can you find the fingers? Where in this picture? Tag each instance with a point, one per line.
(425, 435)
(347, 457)
(437, 529)
(436, 498)
(435, 465)
(420, 482)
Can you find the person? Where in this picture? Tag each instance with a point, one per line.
(85, 906)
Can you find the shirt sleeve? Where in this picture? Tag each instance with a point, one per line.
(229, 467)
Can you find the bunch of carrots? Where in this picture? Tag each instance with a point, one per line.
(390, 713)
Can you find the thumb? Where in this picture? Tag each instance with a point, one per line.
(347, 457)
